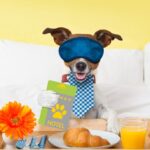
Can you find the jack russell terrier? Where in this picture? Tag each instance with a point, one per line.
(82, 54)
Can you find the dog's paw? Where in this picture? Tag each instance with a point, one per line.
(113, 126)
(48, 99)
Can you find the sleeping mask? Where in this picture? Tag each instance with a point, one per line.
(81, 47)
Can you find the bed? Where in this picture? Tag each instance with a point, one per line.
(123, 76)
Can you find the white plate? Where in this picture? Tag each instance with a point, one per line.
(57, 139)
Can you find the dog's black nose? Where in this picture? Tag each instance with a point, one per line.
(81, 66)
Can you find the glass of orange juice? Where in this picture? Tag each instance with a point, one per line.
(133, 133)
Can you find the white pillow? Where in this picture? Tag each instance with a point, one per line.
(121, 66)
(22, 63)
(147, 64)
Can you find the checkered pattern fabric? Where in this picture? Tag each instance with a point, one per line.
(84, 99)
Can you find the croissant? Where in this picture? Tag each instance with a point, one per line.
(81, 137)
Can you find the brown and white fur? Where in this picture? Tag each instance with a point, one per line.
(82, 67)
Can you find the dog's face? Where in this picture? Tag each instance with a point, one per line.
(81, 66)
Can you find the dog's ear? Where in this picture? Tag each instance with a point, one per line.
(105, 37)
(59, 34)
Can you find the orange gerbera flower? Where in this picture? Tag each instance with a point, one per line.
(16, 121)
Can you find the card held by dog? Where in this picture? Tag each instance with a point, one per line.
(58, 114)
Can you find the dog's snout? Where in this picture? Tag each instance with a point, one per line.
(81, 66)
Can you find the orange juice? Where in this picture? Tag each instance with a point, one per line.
(133, 137)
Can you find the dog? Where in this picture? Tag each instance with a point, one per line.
(82, 54)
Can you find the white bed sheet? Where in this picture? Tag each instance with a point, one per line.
(123, 99)
(127, 99)
(25, 94)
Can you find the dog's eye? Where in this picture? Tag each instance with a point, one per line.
(95, 52)
(66, 48)
(65, 52)
(95, 49)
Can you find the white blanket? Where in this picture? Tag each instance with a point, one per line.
(127, 99)
(123, 99)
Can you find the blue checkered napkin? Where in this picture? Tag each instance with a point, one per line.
(84, 99)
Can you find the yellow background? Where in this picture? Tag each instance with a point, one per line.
(24, 20)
